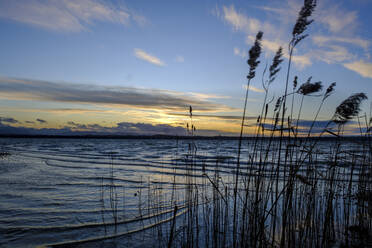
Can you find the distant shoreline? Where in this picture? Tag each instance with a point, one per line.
(17, 136)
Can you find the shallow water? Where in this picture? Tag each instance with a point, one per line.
(61, 190)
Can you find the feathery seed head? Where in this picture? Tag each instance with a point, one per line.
(295, 83)
(349, 108)
(254, 54)
(329, 90)
(309, 88)
(303, 21)
(274, 68)
(277, 105)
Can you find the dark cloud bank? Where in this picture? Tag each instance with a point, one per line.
(121, 129)
(127, 128)
(84, 93)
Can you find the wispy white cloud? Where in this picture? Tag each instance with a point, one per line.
(239, 21)
(335, 18)
(333, 54)
(301, 61)
(67, 15)
(336, 49)
(322, 40)
(252, 88)
(338, 35)
(148, 57)
(270, 45)
(250, 26)
(285, 11)
(204, 96)
(243, 23)
(361, 67)
(328, 13)
(337, 40)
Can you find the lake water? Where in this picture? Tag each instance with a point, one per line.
(54, 191)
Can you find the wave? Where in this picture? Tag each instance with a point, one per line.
(86, 225)
(113, 236)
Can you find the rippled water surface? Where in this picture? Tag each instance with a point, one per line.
(52, 189)
(61, 190)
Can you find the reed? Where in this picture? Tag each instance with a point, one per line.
(289, 189)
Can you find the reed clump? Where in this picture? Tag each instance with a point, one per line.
(295, 185)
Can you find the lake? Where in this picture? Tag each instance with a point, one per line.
(122, 192)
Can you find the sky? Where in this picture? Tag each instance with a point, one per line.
(135, 67)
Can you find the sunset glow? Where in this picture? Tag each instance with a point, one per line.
(91, 65)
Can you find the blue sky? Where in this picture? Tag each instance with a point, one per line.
(75, 61)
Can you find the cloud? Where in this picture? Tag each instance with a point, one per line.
(148, 57)
(320, 125)
(127, 128)
(180, 59)
(67, 15)
(23, 89)
(143, 128)
(321, 40)
(204, 96)
(252, 88)
(8, 120)
(239, 52)
(333, 54)
(301, 61)
(270, 45)
(284, 14)
(317, 123)
(272, 32)
(223, 117)
(303, 126)
(328, 13)
(336, 41)
(361, 67)
(337, 19)
(121, 128)
(239, 21)
(62, 111)
(69, 110)
(41, 121)
(337, 29)
(333, 50)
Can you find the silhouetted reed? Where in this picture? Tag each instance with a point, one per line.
(310, 88)
(254, 54)
(349, 108)
(289, 189)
